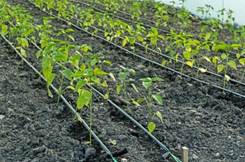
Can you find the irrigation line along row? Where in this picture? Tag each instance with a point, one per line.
(141, 57)
(125, 13)
(125, 19)
(167, 56)
(171, 58)
(162, 146)
(119, 17)
(103, 146)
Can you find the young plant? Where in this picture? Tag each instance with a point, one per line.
(205, 11)
(151, 98)
(123, 77)
(154, 37)
(161, 15)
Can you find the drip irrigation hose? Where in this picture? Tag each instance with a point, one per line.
(103, 146)
(171, 58)
(119, 17)
(141, 57)
(125, 13)
(162, 146)
(125, 19)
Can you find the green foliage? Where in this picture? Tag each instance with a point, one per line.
(151, 126)
(61, 59)
(84, 99)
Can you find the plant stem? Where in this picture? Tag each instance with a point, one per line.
(90, 121)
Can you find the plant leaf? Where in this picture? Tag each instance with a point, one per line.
(202, 70)
(4, 29)
(135, 88)
(147, 83)
(151, 126)
(135, 103)
(220, 68)
(158, 98)
(190, 63)
(81, 83)
(159, 115)
(118, 88)
(84, 99)
(227, 78)
(23, 52)
(232, 64)
(98, 71)
(242, 61)
(68, 74)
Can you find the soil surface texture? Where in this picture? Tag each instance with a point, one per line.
(33, 127)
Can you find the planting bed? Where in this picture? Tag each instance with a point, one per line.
(209, 121)
(34, 127)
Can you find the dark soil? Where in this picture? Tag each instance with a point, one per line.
(33, 127)
(209, 122)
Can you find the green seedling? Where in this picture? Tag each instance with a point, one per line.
(154, 37)
(150, 98)
(123, 82)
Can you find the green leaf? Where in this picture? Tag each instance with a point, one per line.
(215, 60)
(71, 37)
(220, 68)
(123, 75)
(47, 69)
(135, 103)
(158, 99)
(207, 59)
(84, 99)
(112, 76)
(107, 62)
(50, 77)
(68, 74)
(156, 79)
(60, 56)
(81, 83)
(227, 78)
(220, 47)
(224, 56)
(147, 83)
(99, 72)
(85, 48)
(135, 88)
(106, 96)
(242, 61)
(190, 63)
(187, 55)
(4, 29)
(104, 84)
(232, 64)
(118, 88)
(75, 59)
(23, 52)
(131, 40)
(23, 42)
(202, 70)
(151, 126)
(159, 115)
(125, 41)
